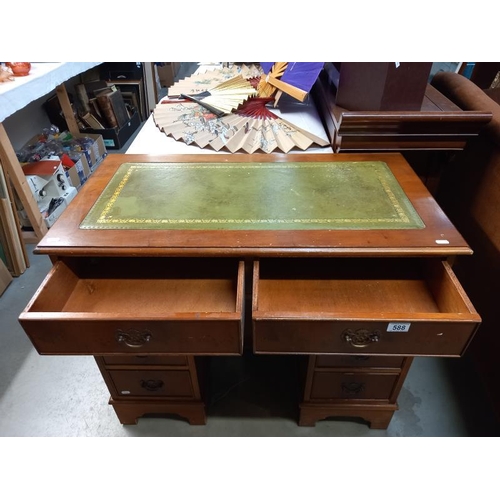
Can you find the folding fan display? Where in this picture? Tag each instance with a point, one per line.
(225, 96)
(196, 84)
(250, 128)
(245, 125)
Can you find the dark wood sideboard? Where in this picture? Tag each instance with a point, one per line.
(152, 302)
(439, 125)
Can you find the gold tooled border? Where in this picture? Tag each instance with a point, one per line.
(103, 219)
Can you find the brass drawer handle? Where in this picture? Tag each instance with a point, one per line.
(152, 385)
(361, 337)
(352, 388)
(133, 338)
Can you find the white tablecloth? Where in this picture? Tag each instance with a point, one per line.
(43, 78)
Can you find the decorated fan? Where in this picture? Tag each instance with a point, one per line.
(225, 96)
(250, 128)
(201, 110)
(220, 91)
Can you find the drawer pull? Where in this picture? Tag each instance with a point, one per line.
(361, 337)
(152, 385)
(133, 338)
(352, 388)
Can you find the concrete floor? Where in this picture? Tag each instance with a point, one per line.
(66, 396)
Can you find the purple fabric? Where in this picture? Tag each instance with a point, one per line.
(299, 74)
(302, 74)
(266, 67)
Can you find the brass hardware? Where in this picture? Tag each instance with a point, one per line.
(352, 388)
(361, 337)
(133, 338)
(152, 385)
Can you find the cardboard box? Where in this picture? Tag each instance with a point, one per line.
(115, 138)
(89, 160)
(96, 153)
(78, 173)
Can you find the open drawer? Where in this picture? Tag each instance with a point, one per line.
(105, 306)
(386, 306)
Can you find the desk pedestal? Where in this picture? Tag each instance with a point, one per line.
(143, 385)
(353, 386)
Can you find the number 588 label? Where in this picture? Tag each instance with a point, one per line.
(398, 327)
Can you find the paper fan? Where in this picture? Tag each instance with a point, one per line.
(198, 83)
(225, 96)
(250, 128)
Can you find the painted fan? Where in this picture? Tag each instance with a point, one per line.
(201, 82)
(220, 91)
(250, 128)
(293, 78)
(225, 96)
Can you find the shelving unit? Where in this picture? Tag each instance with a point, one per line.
(15, 95)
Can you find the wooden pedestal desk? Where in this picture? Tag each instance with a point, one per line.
(162, 262)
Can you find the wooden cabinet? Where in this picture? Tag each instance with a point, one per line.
(438, 124)
(152, 301)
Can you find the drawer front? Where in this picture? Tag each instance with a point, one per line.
(152, 383)
(146, 360)
(58, 336)
(359, 361)
(112, 306)
(431, 338)
(352, 386)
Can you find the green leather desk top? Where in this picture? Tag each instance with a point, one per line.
(247, 196)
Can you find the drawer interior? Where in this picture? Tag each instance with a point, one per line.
(149, 285)
(357, 285)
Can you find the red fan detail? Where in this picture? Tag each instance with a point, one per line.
(254, 81)
(255, 107)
